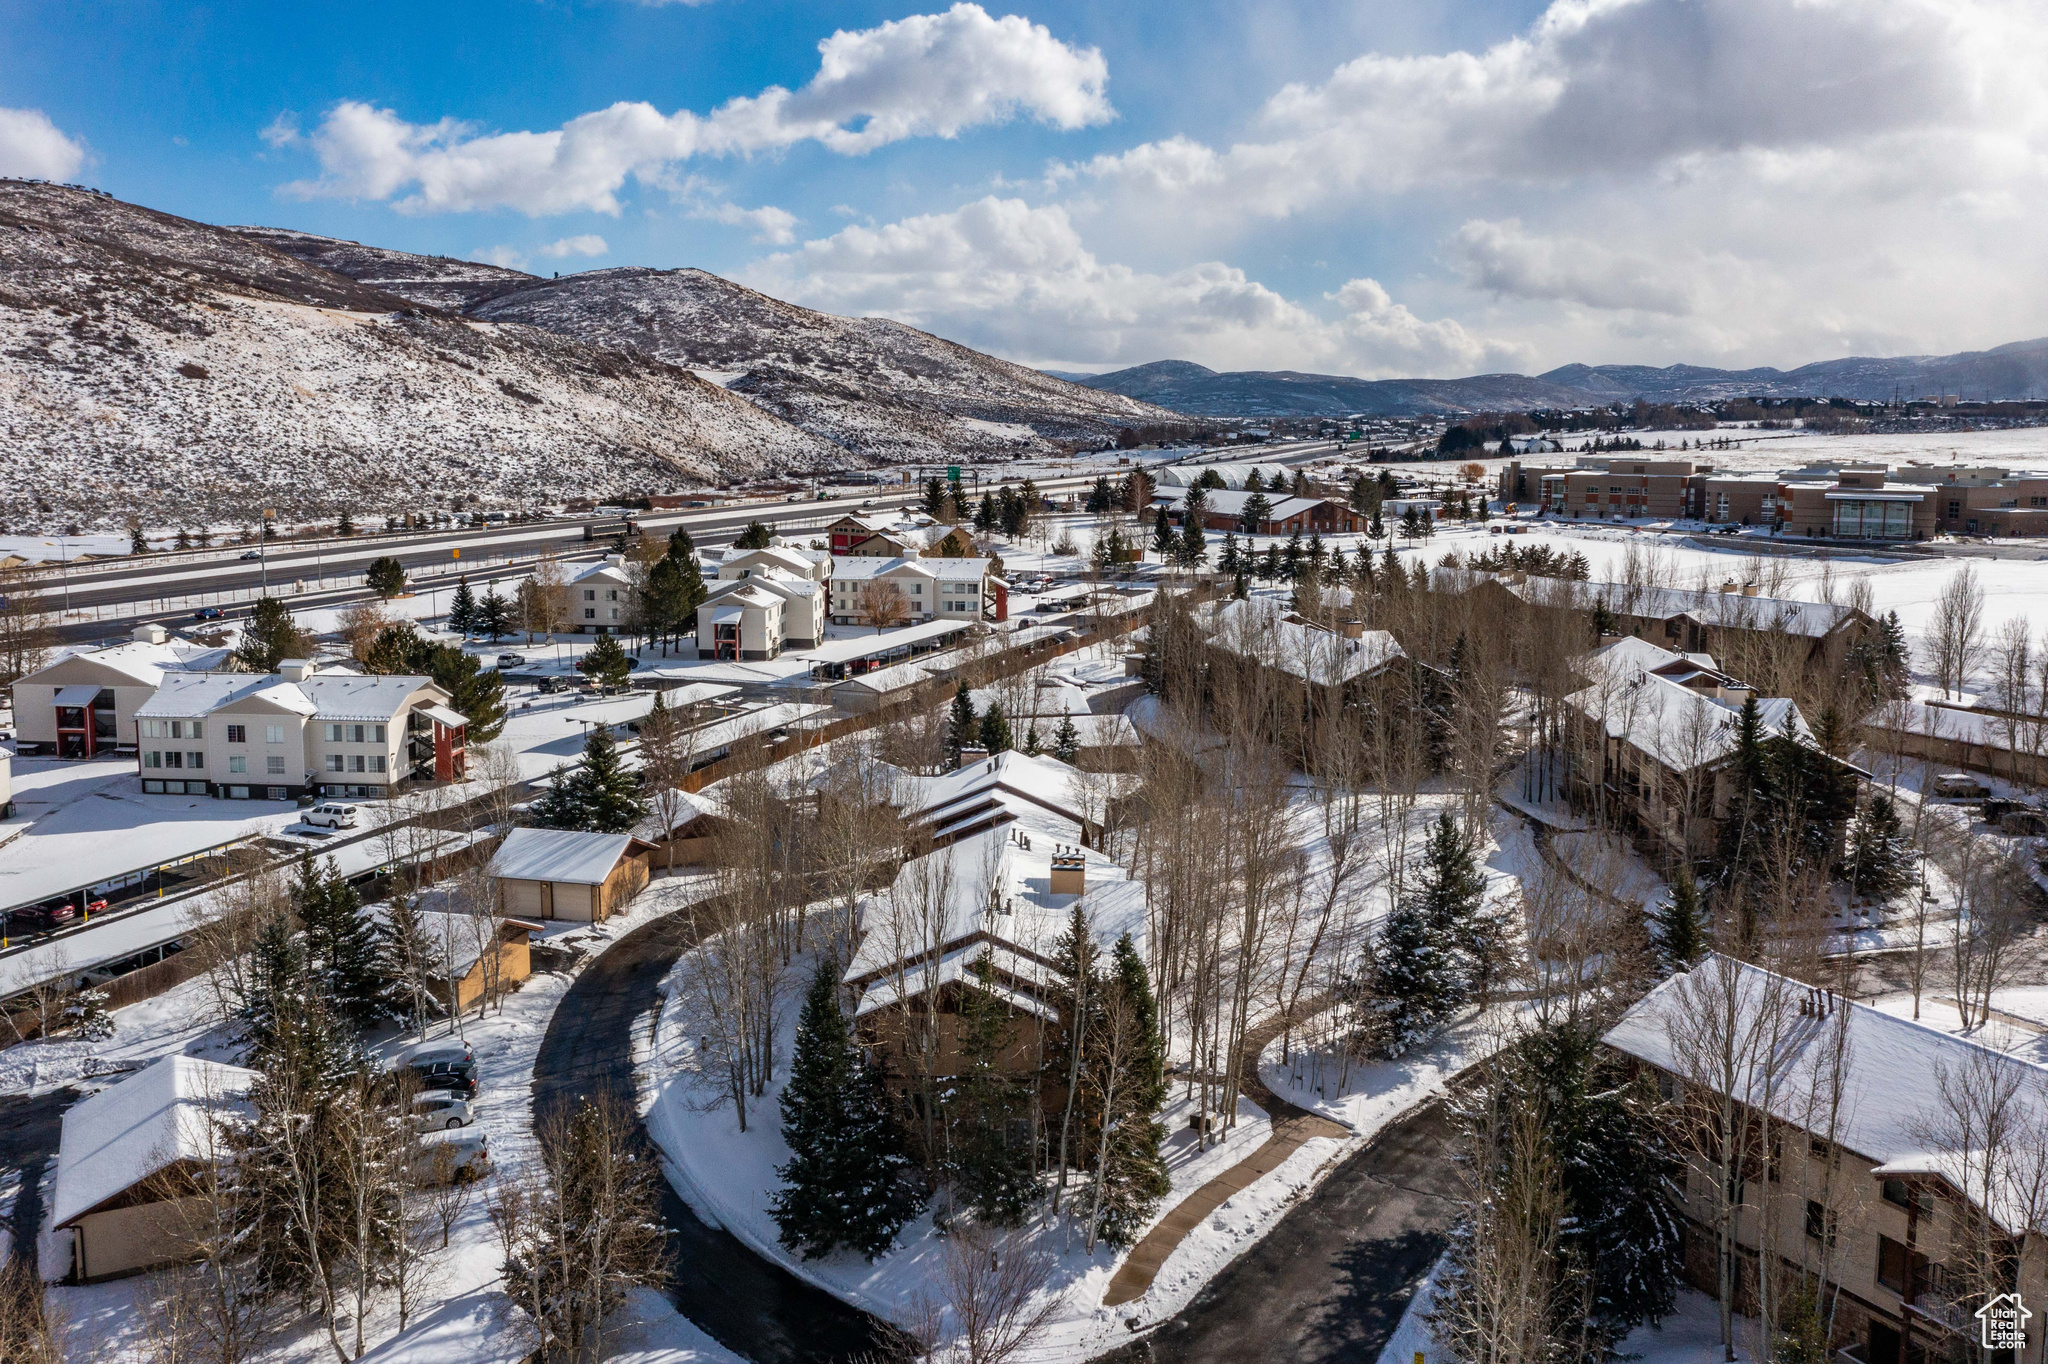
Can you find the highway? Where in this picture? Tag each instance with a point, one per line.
(166, 587)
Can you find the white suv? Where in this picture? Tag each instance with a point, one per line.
(330, 816)
(437, 1110)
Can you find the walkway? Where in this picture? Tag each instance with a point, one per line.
(1292, 1126)
(1329, 1283)
(750, 1306)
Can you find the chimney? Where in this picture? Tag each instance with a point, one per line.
(149, 633)
(1069, 873)
(295, 669)
(909, 552)
(1749, 589)
(1729, 587)
(1354, 629)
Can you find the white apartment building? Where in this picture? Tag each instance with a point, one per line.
(295, 732)
(762, 602)
(601, 598)
(931, 589)
(82, 703)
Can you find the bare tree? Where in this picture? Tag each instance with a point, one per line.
(998, 1294)
(543, 599)
(1955, 638)
(586, 1233)
(29, 1331)
(882, 604)
(28, 632)
(360, 624)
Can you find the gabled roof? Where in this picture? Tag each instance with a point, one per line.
(1260, 630)
(1225, 502)
(1639, 693)
(194, 696)
(1810, 619)
(1891, 1110)
(347, 696)
(604, 570)
(122, 1135)
(569, 855)
(142, 663)
(793, 561)
(859, 570)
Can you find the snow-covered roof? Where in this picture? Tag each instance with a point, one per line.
(144, 662)
(569, 855)
(347, 696)
(687, 806)
(610, 569)
(192, 696)
(993, 888)
(867, 646)
(1048, 795)
(1233, 475)
(1810, 619)
(1262, 631)
(861, 569)
(888, 679)
(127, 1132)
(1224, 502)
(1641, 694)
(1891, 1109)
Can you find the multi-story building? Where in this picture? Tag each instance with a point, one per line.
(925, 589)
(601, 598)
(82, 703)
(1828, 1143)
(294, 732)
(764, 601)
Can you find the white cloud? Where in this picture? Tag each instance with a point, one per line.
(1504, 259)
(772, 225)
(504, 256)
(34, 148)
(1016, 279)
(589, 244)
(932, 75)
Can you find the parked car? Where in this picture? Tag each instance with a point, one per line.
(1960, 786)
(41, 918)
(511, 660)
(441, 1049)
(458, 1156)
(458, 1077)
(440, 1110)
(330, 816)
(207, 613)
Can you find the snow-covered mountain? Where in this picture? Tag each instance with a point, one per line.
(877, 388)
(155, 367)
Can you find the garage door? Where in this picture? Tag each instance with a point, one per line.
(572, 902)
(522, 898)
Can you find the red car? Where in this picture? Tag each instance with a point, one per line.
(41, 918)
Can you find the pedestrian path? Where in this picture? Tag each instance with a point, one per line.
(1292, 1126)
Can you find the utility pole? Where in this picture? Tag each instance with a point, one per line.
(263, 550)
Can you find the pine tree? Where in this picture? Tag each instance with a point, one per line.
(1033, 745)
(1164, 539)
(1409, 982)
(1452, 895)
(608, 795)
(606, 663)
(270, 637)
(1681, 924)
(1411, 524)
(345, 525)
(138, 542)
(462, 608)
(1066, 741)
(493, 616)
(408, 956)
(385, 576)
(1253, 482)
(1101, 498)
(963, 729)
(474, 692)
(1194, 546)
(341, 945)
(990, 1173)
(1257, 512)
(1376, 529)
(757, 535)
(1228, 560)
(994, 729)
(934, 497)
(1877, 861)
(560, 805)
(1134, 1177)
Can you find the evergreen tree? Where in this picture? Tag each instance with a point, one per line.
(1290, 557)
(1411, 523)
(1363, 499)
(985, 514)
(138, 542)
(844, 1183)
(560, 805)
(1066, 741)
(963, 728)
(661, 601)
(934, 497)
(270, 637)
(756, 535)
(1101, 498)
(990, 1172)
(1452, 893)
(345, 525)
(1228, 560)
(994, 729)
(1253, 482)
(609, 794)
(474, 692)
(1270, 567)
(385, 576)
(1681, 924)
(606, 663)
(1193, 551)
(462, 608)
(1376, 529)
(493, 616)
(341, 945)
(1164, 539)
(1257, 512)
(1032, 744)
(1133, 1175)
(184, 540)
(1408, 983)
(1877, 862)
(681, 546)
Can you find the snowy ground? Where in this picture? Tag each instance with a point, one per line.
(465, 1317)
(1367, 1096)
(1690, 1335)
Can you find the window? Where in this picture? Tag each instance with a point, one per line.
(589, 594)
(1901, 1270)
(152, 759)
(238, 764)
(611, 594)
(377, 762)
(274, 793)
(238, 734)
(173, 758)
(152, 788)
(357, 734)
(380, 734)
(152, 729)
(590, 613)
(1820, 1223)
(195, 760)
(334, 762)
(274, 765)
(1900, 1194)
(238, 793)
(355, 763)
(333, 733)
(273, 734)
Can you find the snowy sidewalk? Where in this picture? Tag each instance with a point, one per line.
(1292, 1128)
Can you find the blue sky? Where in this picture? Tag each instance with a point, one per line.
(1383, 189)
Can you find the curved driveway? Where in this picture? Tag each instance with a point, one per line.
(746, 1304)
(1329, 1283)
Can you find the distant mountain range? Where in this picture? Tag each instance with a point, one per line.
(2018, 370)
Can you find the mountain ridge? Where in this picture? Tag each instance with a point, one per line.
(2017, 369)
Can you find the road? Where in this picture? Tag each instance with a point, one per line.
(748, 1305)
(1329, 1283)
(30, 1127)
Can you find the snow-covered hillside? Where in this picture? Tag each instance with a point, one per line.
(876, 388)
(159, 367)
